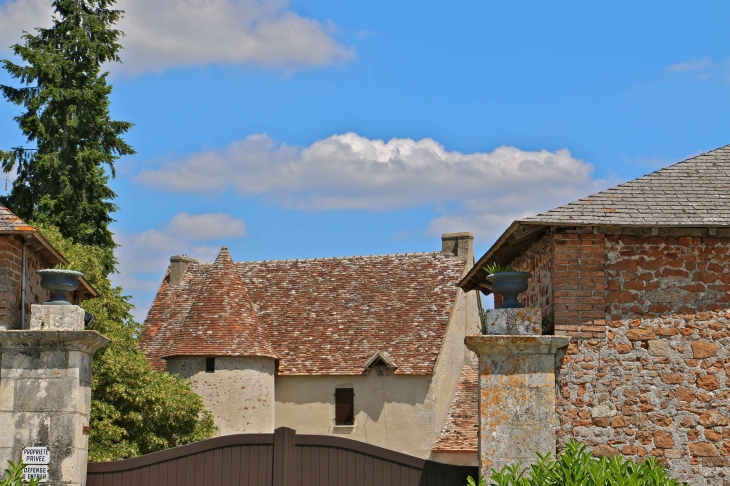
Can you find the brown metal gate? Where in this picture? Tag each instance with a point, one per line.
(279, 459)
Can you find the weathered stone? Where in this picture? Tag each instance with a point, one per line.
(602, 411)
(703, 449)
(640, 334)
(527, 321)
(604, 450)
(713, 418)
(56, 318)
(45, 392)
(663, 440)
(708, 382)
(516, 397)
(702, 349)
(658, 347)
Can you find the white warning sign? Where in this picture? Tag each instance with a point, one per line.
(36, 455)
(36, 471)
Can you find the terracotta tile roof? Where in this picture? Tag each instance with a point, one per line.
(329, 316)
(460, 429)
(222, 320)
(10, 222)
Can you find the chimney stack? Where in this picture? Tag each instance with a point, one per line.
(178, 266)
(458, 244)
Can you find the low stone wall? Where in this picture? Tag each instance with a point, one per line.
(653, 387)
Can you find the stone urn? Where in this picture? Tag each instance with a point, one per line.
(59, 282)
(509, 285)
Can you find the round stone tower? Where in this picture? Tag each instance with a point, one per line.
(223, 350)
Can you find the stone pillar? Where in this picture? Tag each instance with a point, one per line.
(516, 388)
(45, 390)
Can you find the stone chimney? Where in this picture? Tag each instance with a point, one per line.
(458, 244)
(178, 266)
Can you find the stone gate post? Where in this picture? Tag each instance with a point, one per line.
(516, 388)
(45, 393)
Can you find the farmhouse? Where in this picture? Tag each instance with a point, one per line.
(368, 347)
(638, 276)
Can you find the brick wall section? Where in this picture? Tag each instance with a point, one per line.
(660, 275)
(653, 387)
(11, 271)
(538, 260)
(10, 275)
(579, 284)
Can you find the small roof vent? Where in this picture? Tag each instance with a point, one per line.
(379, 359)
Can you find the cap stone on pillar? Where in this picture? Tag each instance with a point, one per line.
(525, 321)
(458, 244)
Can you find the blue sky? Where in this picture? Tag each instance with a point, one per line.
(323, 128)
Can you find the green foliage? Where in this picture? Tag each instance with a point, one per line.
(14, 476)
(497, 268)
(134, 409)
(63, 181)
(577, 467)
(470, 481)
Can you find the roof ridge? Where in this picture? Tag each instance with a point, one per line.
(348, 257)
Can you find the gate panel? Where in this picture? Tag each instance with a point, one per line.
(279, 459)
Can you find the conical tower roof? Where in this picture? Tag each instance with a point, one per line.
(222, 320)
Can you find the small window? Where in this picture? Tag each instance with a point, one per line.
(210, 365)
(344, 406)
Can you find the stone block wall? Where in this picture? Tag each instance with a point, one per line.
(658, 275)
(653, 387)
(11, 272)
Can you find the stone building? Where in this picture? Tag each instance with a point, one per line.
(23, 250)
(369, 347)
(638, 276)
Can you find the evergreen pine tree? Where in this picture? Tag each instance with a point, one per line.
(63, 180)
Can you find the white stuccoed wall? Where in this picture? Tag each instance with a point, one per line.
(239, 394)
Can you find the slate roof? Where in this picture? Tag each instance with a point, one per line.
(695, 192)
(459, 433)
(222, 320)
(692, 193)
(329, 316)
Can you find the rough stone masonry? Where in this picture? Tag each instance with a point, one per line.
(45, 390)
(516, 388)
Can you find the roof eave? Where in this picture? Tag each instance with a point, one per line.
(40, 244)
(473, 281)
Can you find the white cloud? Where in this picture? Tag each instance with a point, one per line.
(143, 257)
(488, 189)
(169, 33)
(690, 66)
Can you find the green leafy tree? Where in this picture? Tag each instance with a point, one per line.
(134, 409)
(63, 180)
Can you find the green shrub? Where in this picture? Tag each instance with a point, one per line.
(577, 467)
(14, 476)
